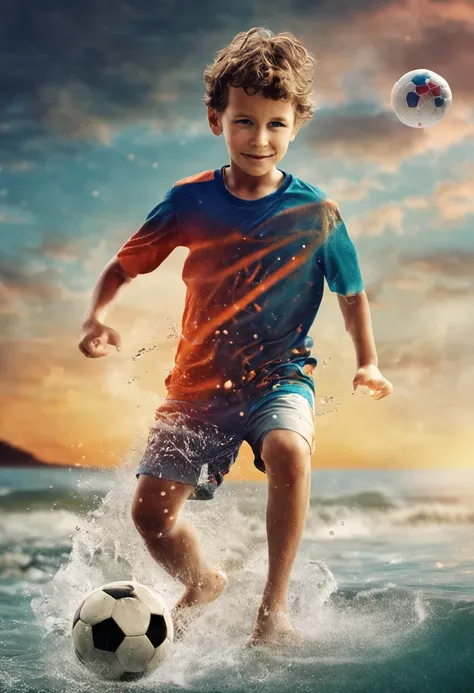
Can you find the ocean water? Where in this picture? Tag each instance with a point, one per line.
(382, 590)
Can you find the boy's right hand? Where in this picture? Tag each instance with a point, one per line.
(96, 338)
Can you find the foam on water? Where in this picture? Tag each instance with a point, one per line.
(341, 627)
(337, 627)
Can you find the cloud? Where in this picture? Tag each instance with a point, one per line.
(73, 73)
(389, 217)
(43, 286)
(348, 132)
(56, 247)
(8, 219)
(452, 263)
(438, 35)
(65, 112)
(439, 277)
(343, 189)
(385, 40)
(355, 131)
(424, 357)
(81, 75)
(360, 64)
(455, 200)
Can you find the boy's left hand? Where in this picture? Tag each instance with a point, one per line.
(371, 377)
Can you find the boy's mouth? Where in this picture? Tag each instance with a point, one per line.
(254, 156)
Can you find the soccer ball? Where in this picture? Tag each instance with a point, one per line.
(421, 98)
(122, 631)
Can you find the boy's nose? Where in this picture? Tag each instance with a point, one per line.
(259, 140)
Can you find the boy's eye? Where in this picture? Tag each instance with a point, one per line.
(274, 122)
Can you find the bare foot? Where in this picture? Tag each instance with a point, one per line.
(273, 628)
(187, 608)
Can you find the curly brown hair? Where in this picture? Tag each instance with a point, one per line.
(277, 67)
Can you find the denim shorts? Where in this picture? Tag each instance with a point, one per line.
(189, 445)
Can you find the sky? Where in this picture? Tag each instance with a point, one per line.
(101, 113)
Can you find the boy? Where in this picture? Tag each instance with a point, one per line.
(261, 242)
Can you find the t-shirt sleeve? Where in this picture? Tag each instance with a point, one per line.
(153, 242)
(340, 263)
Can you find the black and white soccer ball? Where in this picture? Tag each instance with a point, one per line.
(122, 631)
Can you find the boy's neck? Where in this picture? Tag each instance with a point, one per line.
(248, 187)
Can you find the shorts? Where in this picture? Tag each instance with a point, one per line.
(188, 446)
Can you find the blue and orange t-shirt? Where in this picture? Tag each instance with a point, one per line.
(254, 276)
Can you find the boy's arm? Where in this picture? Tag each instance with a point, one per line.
(141, 254)
(108, 283)
(96, 336)
(356, 313)
(357, 319)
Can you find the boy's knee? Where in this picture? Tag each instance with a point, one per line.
(150, 518)
(156, 505)
(286, 455)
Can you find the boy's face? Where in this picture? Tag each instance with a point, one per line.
(257, 130)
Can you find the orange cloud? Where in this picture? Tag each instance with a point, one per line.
(455, 200)
(74, 410)
(360, 62)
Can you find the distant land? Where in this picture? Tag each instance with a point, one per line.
(11, 456)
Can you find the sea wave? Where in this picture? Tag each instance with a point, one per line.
(376, 512)
(353, 640)
(19, 500)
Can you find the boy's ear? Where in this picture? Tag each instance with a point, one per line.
(214, 121)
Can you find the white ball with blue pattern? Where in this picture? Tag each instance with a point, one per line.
(421, 98)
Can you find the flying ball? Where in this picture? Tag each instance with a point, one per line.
(122, 631)
(421, 98)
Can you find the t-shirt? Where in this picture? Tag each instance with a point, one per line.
(254, 276)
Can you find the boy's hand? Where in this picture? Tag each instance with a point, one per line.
(371, 377)
(96, 338)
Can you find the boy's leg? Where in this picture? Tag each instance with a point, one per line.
(287, 459)
(172, 542)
